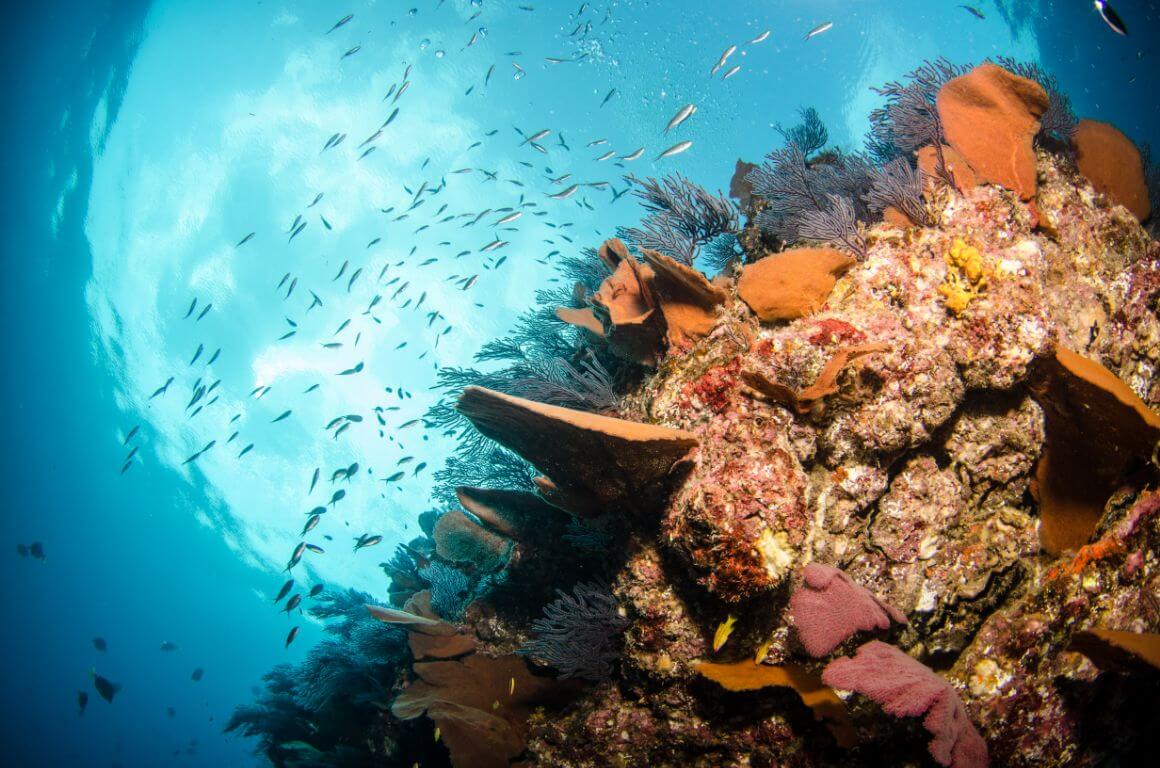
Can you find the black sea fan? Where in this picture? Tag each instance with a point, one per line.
(909, 120)
(822, 200)
(450, 589)
(587, 385)
(899, 184)
(834, 223)
(682, 216)
(719, 251)
(810, 135)
(494, 467)
(318, 712)
(579, 633)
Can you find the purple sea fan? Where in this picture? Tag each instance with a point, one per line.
(904, 687)
(829, 607)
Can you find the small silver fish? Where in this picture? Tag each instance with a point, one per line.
(721, 61)
(629, 157)
(731, 72)
(606, 156)
(683, 114)
(676, 149)
(568, 192)
(760, 38)
(824, 27)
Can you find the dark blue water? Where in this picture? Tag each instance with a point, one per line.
(165, 553)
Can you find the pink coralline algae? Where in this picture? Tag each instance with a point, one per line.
(828, 608)
(904, 687)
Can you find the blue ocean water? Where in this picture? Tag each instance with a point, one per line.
(144, 140)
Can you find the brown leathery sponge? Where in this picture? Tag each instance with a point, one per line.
(599, 458)
(791, 284)
(481, 705)
(1098, 431)
(1112, 163)
(990, 117)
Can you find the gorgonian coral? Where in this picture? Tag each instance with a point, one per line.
(898, 184)
(909, 120)
(810, 135)
(682, 216)
(816, 200)
(579, 632)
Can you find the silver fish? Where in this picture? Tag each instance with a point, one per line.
(630, 156)
(731, 72)
(683, 114)
(824, 27)
(676, 149)
(721, 61)
(606, 156)
(760, 38)
(566, 193)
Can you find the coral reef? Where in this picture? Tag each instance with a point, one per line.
(940, 429)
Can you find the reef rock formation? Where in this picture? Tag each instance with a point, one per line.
(990, 116)
(1112, 163)
(961, 423)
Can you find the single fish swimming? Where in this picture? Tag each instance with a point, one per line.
(683, 114)
(824, 27)
(676, 149)
(1111, 18)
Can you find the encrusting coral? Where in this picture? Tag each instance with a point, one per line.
(949, 401)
